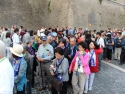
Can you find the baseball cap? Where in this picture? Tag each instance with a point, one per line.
(54, 34)
(43, 38)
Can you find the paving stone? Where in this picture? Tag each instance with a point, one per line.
(107, 81)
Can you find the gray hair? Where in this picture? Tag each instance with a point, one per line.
(73, 38)
(49, 37)
(24, 46)
(2, 48)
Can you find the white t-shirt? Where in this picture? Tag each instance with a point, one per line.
(6, 77)
(15, 39)
(100, 41)
(38, 32)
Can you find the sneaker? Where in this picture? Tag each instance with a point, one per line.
(85, 91)
(90, 88)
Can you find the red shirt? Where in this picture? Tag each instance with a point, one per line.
(94, 69)
(22, 33)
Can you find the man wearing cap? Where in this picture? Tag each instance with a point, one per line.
(19, 68)
(6, 72)
(54, 43)
(44, 54)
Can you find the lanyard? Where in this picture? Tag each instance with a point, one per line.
(2, 59)
(58, 75)
(44, 47)
(58, 63)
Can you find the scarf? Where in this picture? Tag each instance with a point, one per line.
(92, 60)
(16, 68)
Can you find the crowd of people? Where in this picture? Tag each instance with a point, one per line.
(72, 56)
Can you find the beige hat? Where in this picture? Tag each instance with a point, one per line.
(42, 30)
(17, 50)
(42, 34)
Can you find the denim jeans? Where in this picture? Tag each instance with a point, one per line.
(28, 88)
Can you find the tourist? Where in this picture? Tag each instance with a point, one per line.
(36, 37)
(3, 35)
(44, 55)
(62, 44)
(71, 32)
(59, 69)
(8, 43)
(15, 37)
(26, 37)
(30, 49)
(73, 50)
(94, 51)
(122, 55)
(54, 43)
(118, 46)
(29, 60)
(100, 41)
(19, 68)
(22, 33)
(6, 72)
(80, 68)
(109, 44)
(75, 30)
(49, 40)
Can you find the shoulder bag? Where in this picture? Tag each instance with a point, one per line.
(55, 82)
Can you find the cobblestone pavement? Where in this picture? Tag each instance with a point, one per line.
(108, 81)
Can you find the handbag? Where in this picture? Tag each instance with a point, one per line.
(80, 69)
(55, 82)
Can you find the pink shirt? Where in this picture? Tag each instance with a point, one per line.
(84, 60)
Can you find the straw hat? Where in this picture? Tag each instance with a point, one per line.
(17, 50)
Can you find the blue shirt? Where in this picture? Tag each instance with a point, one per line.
(71, 32)
(110, 46)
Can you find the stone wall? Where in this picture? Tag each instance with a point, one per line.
(79, 13)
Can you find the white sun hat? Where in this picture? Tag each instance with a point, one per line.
(42, 34)
(42, 30)
(17, 50)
